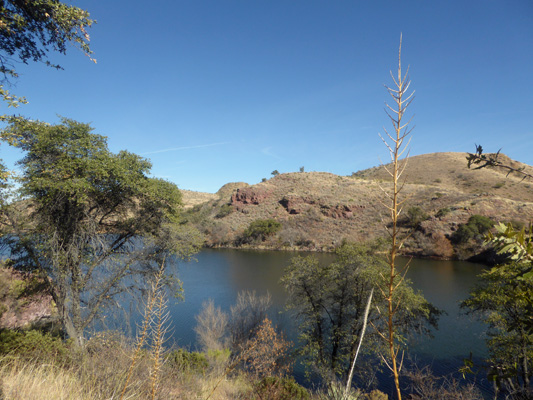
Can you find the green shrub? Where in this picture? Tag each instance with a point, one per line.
(33, 344)
(482, 224)
(276, 388)
(224, 211)
(442, 212)
(188, 361)
(259, 230)
(416, 216)
(463, 234)
(476, 226)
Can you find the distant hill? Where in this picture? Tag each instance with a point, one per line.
(319, 210)
(192, 198)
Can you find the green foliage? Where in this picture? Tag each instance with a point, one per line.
(329, 301)
(224, 211)
(91, 209)
(443, 212)
(275, 173)
(475, 228)
(503, 301)
(280, 388)
(219, 356)
(302, 169)
(259, 230)
(33, 344)
(185, 361)
(263, 180)
(416, 216)
(30, 29)
(516, 244)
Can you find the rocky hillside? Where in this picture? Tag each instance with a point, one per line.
(318, 210)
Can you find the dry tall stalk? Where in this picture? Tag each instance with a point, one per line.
(363, 330)
(396, 147)
(154, 323)
(160, 328)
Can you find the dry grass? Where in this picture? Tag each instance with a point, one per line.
(26, 381)
(435, 182)
(101, 374)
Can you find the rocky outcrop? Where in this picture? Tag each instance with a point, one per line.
(249, 196)
(339, 211)
(23, 301)
(296, 204)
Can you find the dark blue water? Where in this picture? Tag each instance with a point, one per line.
(221, 274)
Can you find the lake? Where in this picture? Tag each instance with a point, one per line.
(221, 274)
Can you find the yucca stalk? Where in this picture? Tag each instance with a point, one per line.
(395, 144)
(155, 297)
(160, 328)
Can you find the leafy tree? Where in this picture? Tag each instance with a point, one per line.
(330, 303)
(29, 30)
(275, 173)
(302, 169)
(504, 301)
(91, 222)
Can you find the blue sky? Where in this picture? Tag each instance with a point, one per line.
(223, 91)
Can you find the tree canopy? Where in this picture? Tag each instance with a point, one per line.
(330, 301)
(88, 219)
(30, 29)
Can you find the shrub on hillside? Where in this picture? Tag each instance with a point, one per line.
(224, 211)
(259, 230)
(416, 216)
(476, 226)
(443, 212)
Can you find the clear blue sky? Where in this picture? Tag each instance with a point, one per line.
(222, 91)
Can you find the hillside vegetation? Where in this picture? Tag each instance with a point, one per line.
(319, 210)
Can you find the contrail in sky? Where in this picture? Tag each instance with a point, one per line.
(186, 148)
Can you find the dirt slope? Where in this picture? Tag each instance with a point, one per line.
(318, 210)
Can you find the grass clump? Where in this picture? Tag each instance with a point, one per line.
(280, 388)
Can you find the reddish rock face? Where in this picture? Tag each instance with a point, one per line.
(21, 310)
(339, 211)
(245, 196)
(295, 204)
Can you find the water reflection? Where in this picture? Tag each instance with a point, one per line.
(221, 274)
